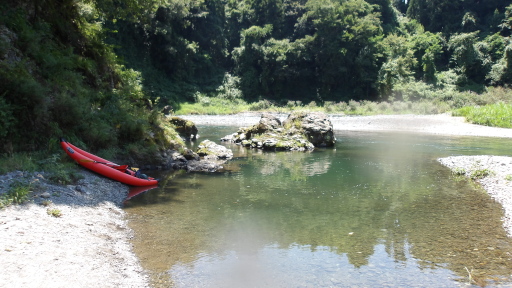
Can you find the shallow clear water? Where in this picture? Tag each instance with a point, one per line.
(377, 210)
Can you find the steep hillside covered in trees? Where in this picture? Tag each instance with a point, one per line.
(58, 77)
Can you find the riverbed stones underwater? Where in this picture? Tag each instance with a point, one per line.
(494, 173)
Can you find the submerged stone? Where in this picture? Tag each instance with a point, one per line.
(211, 150)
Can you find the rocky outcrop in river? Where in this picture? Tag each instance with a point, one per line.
(301, 131)
(210, 158)
(316, 126)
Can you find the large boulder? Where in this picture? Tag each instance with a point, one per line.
(300, 132)
(315, 125)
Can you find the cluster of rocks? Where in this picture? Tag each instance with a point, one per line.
(299, 132)
(209, 158)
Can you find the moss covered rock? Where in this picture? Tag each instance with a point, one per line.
(299, 132)
(211, 150)
(185, 128)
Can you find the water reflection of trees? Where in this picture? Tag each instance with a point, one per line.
(413, 205)
(294, 166)
(351, 201)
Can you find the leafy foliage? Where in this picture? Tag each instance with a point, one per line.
(64, 80)
(455, 15)
(497, 115)
(17, 194)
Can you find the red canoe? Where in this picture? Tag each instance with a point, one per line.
(104, 167)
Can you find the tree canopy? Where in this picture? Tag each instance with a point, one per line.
(326, 50)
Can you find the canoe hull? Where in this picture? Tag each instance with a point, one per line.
(90, 161)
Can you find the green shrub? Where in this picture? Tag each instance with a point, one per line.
(18, 161)
(459, 171)
(384, 107)
(229, 88)
(7, 119)
(496, 115)
(353, 105)
(341, 107)
(17, 194)
(399, 106)
(480, 173)
(60, 171)
(54, 212)
(260, 105)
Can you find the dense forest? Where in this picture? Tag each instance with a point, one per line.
(98, 71)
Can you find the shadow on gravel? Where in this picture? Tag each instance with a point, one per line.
(92, 190)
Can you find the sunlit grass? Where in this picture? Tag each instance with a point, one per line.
(409, 98)
(495, 115)
(479, 109)
(214, 109)
(216, 106)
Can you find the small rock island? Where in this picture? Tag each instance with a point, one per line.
(301, 131)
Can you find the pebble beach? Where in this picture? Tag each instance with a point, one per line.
(87, 244)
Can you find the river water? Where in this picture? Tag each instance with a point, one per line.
(377, 210)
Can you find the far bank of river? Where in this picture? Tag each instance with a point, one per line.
(440, 124)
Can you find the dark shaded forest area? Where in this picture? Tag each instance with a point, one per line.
(98, 71)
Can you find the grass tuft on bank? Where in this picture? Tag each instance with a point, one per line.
(17, 194)
(494, 115)
(60, 169)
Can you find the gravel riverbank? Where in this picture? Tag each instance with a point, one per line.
(89, 245)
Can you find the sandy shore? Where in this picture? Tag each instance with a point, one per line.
(89, 245)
